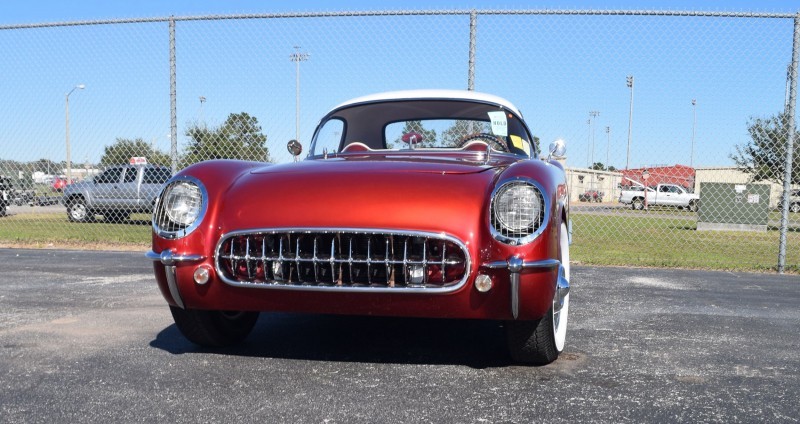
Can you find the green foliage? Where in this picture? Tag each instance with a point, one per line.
(452, 136)
(239, 137)
(764, 155)
(124, 149)
(428, 136)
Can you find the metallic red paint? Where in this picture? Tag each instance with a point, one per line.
(447, 193)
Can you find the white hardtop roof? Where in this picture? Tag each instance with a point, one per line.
(432, 95)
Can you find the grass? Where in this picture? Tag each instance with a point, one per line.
(648, 241)
(674, 242)
(55, 230)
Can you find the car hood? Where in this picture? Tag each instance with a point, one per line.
(397, 194)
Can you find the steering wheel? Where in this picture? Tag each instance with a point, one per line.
(491, 140)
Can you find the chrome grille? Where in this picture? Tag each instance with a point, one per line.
(342, 259)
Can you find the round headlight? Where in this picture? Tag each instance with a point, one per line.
(180, 207)
(182, 203)
(517, 207)
(517, 212)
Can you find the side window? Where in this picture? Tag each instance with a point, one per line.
(156, 176)
(329, 137)
(664, 189)
(109, 176)
(130, 175)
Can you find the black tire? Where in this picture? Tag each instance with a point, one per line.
(214, 328)
(694, 206)
(77, 211)
(637, 204)
(531, 342)
(795, 207)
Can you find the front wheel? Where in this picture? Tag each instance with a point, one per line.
(637, 204)
(795, 207)
(539, 342)
(77, 211)
(693, 206)
(214, 328)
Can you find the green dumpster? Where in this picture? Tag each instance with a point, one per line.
(733, 207)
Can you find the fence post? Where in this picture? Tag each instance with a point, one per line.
(473, 27)
(787, 173)
(173, 100)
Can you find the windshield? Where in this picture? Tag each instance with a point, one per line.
(422, 124)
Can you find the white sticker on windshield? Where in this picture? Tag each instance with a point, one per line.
(499, 123)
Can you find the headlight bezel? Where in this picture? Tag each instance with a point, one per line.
(163, 226)
(511, 236)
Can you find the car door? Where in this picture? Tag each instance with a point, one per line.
(153, 179)
(127, 191)
(104, 187)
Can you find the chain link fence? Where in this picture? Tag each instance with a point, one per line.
(680, 126)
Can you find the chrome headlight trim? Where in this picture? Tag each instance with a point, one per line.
(162, 217)
(504, 235)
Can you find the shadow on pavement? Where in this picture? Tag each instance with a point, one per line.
(473, 343)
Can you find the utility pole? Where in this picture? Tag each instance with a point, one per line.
(593, 117)
(297, 57)
(69, 157)
(608, 146)
(694, 126)
(629, 81)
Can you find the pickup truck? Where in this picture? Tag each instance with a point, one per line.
(662, 195)
(115, 193)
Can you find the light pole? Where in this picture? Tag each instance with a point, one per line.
(202, 118)
(69, 153)
(629, 81)
(694, 125)
(297, 57)
(593, 116)
(608, 145)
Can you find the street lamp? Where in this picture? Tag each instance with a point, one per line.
(694, 125)
(608, 145)
(593, 116)
(629, 80)
(297, 57)
(69, 157)
(202, 118)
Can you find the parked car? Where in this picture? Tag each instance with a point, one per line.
(591, 196)
(115, 193)
(427, 203)
(59, 183)
(794, 201)
(5, 194)
(661, 195)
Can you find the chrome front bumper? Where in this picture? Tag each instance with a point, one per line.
(170, 260)
(515, 265)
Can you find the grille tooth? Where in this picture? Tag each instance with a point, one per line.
(342, 259)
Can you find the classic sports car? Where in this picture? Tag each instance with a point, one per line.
(429, 203)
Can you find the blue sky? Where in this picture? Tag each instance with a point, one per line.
(556, 69)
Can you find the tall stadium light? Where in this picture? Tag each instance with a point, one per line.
(629, 80)
(608, 145)
(297, 57)
(69, 152)
(202, 117)
(694, 126)
(592, 118)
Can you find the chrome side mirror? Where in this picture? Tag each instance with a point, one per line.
(295, 148)
(557, 149)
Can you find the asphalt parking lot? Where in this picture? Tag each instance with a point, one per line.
(86, 337)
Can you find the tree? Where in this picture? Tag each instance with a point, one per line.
(764, 155)
(124, 149)
(428, 136)
(239, 137)
(452, 136)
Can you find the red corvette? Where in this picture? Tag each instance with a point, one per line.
(430, 203)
